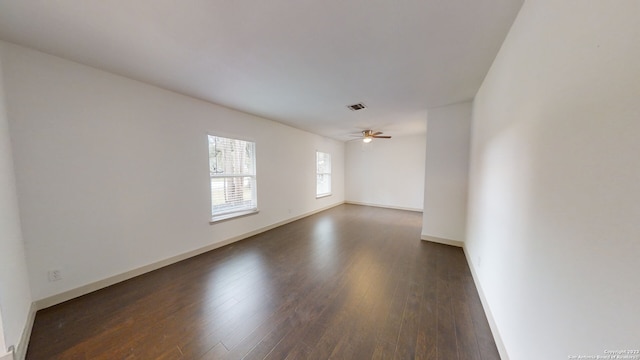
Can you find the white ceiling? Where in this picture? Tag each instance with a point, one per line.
(299, 62)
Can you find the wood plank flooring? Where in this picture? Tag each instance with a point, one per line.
(352, 282)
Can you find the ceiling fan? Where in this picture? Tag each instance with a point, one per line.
(368, 135)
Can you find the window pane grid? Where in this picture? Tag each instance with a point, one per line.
(232, 175)
(323, 174)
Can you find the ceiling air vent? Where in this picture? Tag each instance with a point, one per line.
(355, 107)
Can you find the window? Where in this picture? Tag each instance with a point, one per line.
(323, 174)
(232, 169)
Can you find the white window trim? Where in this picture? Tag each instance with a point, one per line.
(237, 213)
(320, 196)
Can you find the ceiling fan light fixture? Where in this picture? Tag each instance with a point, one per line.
(367, 139)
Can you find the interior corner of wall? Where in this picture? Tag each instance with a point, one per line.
(7, 356)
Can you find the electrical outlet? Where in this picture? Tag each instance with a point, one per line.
(55, 275)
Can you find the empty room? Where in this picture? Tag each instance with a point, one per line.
(417, 179)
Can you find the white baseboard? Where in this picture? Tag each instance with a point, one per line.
(382, 206)
(7, 356)
(485, 305)
(85, 289)
(20, 351)
(438, 240)
(487, 310)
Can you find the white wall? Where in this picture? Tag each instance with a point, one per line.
(387, 173)
(446, 173)
(554, 213)
(15, 296)
(112, 173)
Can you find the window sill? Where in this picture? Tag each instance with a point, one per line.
(323, 196)
(230, 216)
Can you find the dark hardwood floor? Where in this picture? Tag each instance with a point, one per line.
(353, 282)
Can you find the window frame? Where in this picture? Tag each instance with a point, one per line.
(318, 174)
(226, 215)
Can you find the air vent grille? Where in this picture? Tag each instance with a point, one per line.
(356, 107)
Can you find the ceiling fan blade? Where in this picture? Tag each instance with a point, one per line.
(377, 133)
(382, 137)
